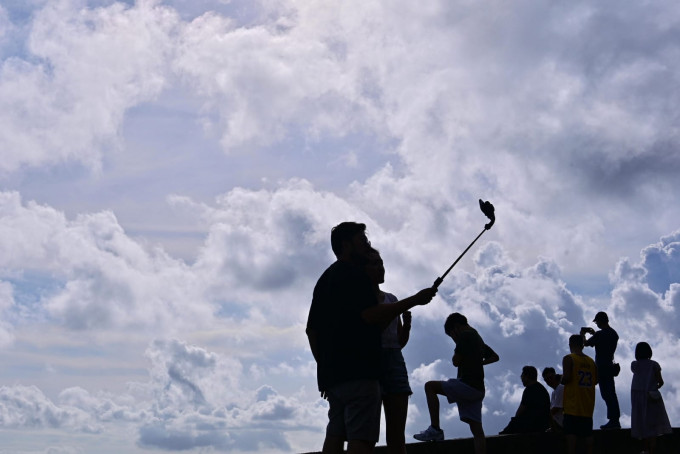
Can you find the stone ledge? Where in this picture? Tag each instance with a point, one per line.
(606, 442)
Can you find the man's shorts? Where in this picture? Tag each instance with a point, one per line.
(580, 426)
(354, 412)
(469, 399)
(393, 374)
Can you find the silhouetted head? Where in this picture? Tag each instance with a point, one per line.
(601, 319)
(529, 375)
(454, 320)
(348, 239)
(576, 343)
(550, 377)
(643, 351)
(374, 267)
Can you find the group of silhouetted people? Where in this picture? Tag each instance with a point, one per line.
(569, 408)
(356, 332)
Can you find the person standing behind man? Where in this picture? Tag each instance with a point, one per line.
(393, 375)
(605, 341)
(343, 329)
(579, 380)
(553, 379)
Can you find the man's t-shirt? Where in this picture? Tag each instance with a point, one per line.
(348, 348)
(604, 341)
(470, 348)
(536, 401)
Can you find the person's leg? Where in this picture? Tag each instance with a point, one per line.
(650, 445)
(589, 444)
(608, 393)
(396, 408)
(571, 444)
(333, 445)
(570, 430)
(432, 391)
(362, 416)
(360, 447)
(478, 436)
(336, 434)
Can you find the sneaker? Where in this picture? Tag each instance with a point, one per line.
(430, 434)
(611, 425)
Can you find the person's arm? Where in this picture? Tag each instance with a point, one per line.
(567, 369)
(590, 342)
(404, 329)
(311, 337)
(659, 379)
(521, 409)
(384, 313)
(556, 401)
(456, 359)
(488, 355)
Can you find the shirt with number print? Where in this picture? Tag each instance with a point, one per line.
(579, 393)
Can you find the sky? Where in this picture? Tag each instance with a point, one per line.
(170, 172)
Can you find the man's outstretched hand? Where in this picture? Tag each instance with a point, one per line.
(424, 296)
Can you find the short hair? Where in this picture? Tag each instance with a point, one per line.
(643, 351)
(530, 372)
(342, 232)
(548, 370)
(454, 319)
(576, 340)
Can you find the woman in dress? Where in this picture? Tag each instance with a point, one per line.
(648, 413)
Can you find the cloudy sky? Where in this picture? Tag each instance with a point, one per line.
(170, 172)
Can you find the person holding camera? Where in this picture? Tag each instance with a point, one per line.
(604, 340)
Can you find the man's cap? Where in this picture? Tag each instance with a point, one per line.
(601, 317)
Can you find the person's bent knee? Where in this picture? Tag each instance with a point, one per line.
(433, 387)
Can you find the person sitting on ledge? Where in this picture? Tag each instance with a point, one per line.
(533, 414)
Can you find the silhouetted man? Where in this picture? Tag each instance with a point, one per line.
(344, 332)
(533, 414)
(605, 341)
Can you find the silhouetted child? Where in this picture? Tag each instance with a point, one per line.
(470, 356)
(648, 413)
